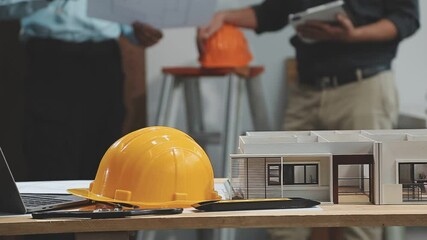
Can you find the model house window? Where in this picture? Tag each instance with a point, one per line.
(413, 178)
(273, 172)
(412, 172)
(294, 174)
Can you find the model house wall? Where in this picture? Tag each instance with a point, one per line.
(388, 165)
(395, 154)
(260, 176)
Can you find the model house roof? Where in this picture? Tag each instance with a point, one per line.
(337, 142)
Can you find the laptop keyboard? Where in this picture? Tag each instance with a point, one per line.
(34, 201)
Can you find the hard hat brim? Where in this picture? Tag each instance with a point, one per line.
(86, 193)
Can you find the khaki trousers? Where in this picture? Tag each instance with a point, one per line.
(366, 104)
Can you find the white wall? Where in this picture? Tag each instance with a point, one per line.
(411, 67)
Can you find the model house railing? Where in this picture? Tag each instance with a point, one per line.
(413, 192)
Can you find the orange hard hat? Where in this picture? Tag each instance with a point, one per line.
(154, 167)
(226, 48)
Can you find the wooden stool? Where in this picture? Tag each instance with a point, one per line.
(188, 77)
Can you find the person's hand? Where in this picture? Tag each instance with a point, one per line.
(147, 35)
(204, 32)
(321, 31)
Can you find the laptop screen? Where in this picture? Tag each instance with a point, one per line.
(11, 201)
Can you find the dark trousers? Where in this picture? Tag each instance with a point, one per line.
(74, 107)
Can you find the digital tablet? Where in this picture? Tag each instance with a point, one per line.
(255, 204)
(326, 12)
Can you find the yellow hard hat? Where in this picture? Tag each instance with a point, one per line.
(154, 167)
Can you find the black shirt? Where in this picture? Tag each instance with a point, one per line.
(328, 58)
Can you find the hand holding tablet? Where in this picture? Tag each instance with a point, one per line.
(324, 13)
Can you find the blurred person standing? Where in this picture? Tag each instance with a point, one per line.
(345, 79)
(74, 88)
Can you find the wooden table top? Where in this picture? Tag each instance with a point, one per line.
(326, 216)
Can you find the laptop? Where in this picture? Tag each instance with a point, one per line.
(11, 201)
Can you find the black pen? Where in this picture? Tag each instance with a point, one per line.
(105, 213)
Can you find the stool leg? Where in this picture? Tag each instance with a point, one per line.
(257, 104)
(164, 107)
(231, 121)
(193, 104)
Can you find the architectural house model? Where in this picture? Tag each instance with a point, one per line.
(372, 166)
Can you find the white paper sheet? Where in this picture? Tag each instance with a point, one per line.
(58, 187)
(158, 13)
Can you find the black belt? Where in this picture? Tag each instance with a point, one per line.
(339, 79)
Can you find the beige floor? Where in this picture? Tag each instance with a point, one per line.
(352, 195)
(353, 199)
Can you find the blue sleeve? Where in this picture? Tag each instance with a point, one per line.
(16, 9)
(127, 31)
(9, 2)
